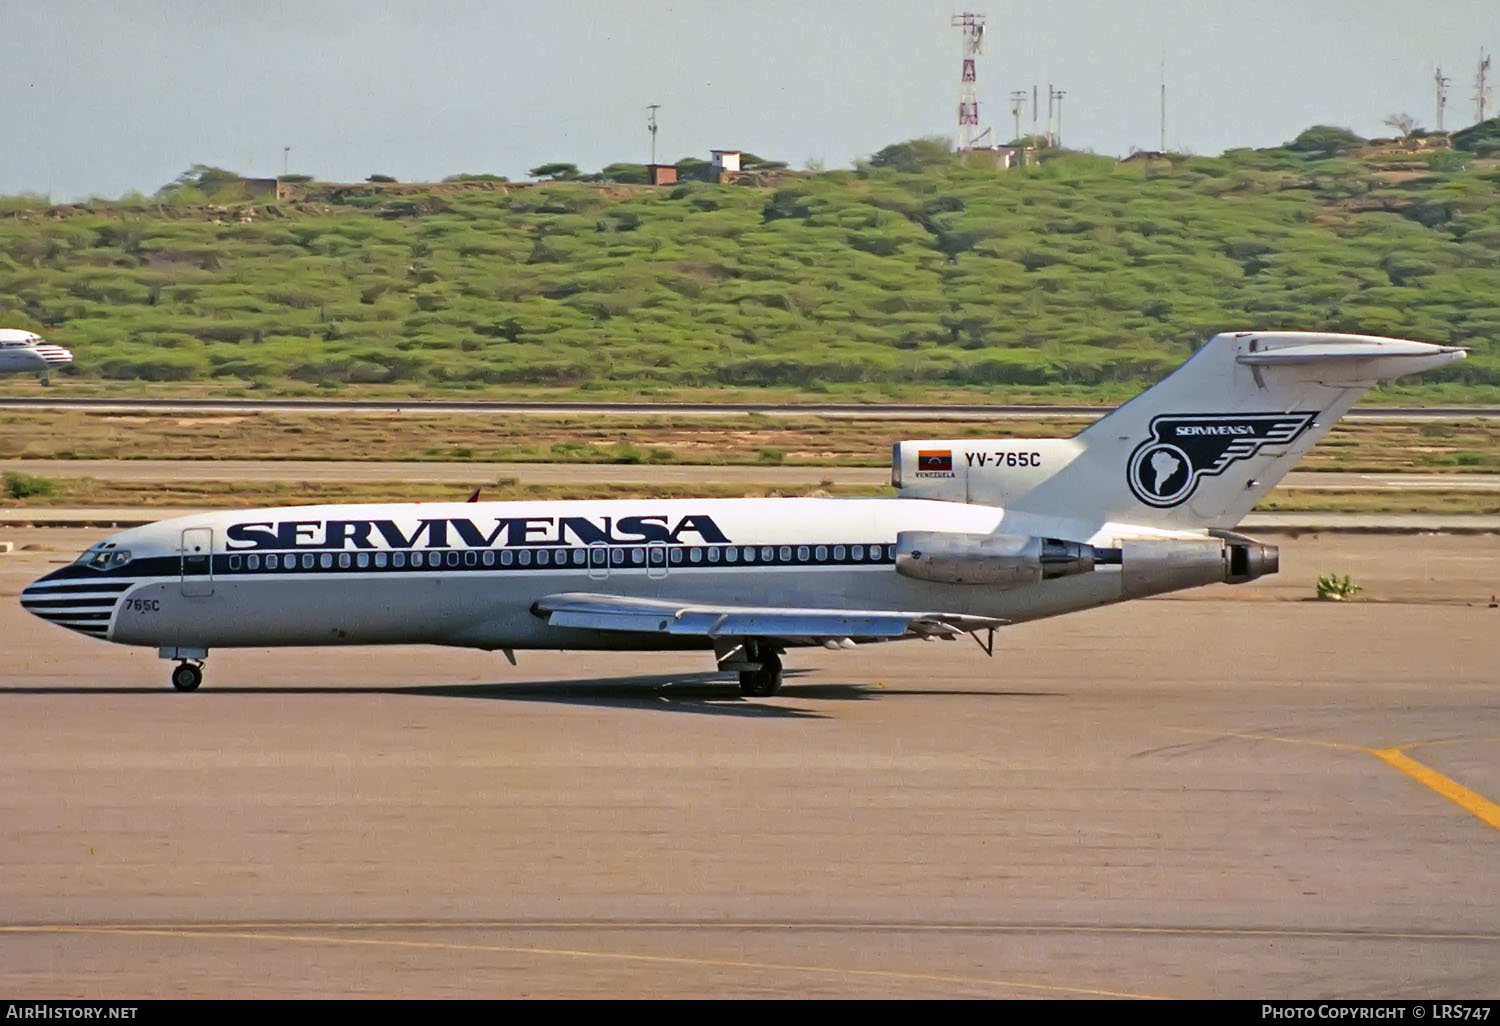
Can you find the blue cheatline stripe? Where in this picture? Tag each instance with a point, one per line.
(569, 559)
(69, 603)
(614, 558)
(102, 585)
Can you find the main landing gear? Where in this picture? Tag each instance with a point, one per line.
(187, 676)
(764, 680)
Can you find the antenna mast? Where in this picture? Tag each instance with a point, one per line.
(1017, 104)
(972, 28)
(1442, 95)
(1163, 147)
(651, 127)
(1479, 87)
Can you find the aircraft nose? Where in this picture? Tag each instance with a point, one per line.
(78, 604)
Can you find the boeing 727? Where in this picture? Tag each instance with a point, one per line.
(981, 534)
(29, 352)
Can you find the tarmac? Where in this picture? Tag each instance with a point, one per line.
(1232, 793)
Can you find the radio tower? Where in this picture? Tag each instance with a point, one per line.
(972, 26)
(1442, 95)
(1481, 91)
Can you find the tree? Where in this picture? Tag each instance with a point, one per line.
(624, 173)
(1482, 138)
(1404, 124)
(556, 171)
(1325, 139)
(381, 179)
(751, 162)
(203, 177)
(914, 154)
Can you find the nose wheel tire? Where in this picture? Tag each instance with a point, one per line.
(187, 676)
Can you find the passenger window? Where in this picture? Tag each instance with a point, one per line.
(380, 560)
(858, 552)
(252, 562)
(713, 555)
(344, 560)
(821, 553)
(524, 557)
(507, 557)
(489, 557)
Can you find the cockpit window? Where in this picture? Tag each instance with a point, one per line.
(104, 556)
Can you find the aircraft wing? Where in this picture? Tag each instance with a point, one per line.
(664, 616)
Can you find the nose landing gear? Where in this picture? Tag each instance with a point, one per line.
(188, 673)
(187, 676)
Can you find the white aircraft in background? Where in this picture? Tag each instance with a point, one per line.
(983, 533)
(29, 352)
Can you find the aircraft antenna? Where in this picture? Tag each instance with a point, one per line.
(1442, 95)
(971, 27)
(651, 127)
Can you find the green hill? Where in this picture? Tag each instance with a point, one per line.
(918, 275)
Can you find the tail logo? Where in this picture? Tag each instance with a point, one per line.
(1183, 449)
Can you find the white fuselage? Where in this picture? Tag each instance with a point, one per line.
(26, 352)
(469, 574)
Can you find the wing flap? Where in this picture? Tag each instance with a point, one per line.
(656, 616)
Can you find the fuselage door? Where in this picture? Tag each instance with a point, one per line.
(197, 562)
(656, 560)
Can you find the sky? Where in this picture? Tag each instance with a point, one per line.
(101, 97)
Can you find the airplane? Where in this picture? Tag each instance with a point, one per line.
(27, 351)
(981, 534)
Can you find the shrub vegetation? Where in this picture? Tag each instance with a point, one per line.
(919, 273)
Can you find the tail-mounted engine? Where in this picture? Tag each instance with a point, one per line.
(1147, 566)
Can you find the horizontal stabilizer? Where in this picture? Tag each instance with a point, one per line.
(1362, 358)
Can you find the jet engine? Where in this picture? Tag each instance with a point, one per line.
(1008, 560)
(1148, 566)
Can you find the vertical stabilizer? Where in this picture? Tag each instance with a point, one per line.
(1203, 446)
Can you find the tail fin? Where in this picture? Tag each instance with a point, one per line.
(1197, 450)
(1202, 447)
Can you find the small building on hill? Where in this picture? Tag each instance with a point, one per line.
(724, 165)
(661, 174)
